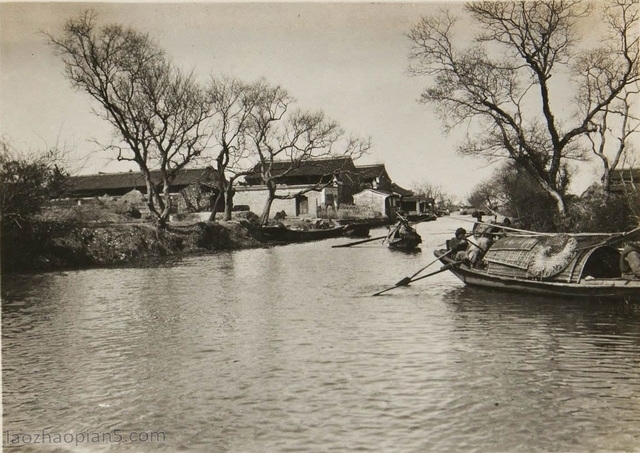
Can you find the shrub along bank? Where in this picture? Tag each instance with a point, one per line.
(51, 245)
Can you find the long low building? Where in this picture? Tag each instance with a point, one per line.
(118, 184)
(314, 188)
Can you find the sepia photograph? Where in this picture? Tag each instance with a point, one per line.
(310, 226)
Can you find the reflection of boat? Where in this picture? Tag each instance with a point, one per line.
(281, 233)
(402, 236)
(559, 265)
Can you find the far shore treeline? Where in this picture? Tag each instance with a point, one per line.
(537, 95)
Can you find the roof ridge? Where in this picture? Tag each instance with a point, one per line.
(134, 172)
(315, 159)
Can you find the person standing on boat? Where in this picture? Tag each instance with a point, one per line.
(630, 261)
(458, 245)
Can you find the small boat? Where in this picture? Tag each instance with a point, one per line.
(282, 233)
(424, 217)
(402, 236)
(553, 265)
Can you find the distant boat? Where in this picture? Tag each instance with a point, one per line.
(402, 236)
(559, 265)
(424, 217)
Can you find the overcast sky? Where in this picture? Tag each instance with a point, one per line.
(348, 59)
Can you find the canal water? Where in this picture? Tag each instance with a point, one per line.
(284, 349)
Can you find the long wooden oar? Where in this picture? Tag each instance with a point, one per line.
(503, 227)
(407, 280)
(358, 242)
(446, 267)
(615, 237)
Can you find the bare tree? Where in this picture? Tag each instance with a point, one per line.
(600, 69)
(613, 153)
(234, 103)
(502, 83)
(512, 192)
(433, 191)
(160, 115)
(488, 195)
(296, 138)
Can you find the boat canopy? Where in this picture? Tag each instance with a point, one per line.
(561, 257)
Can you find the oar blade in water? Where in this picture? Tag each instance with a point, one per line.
(405, 281)
(446, 267)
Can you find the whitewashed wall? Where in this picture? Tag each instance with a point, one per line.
(256, 198)
(371, 200)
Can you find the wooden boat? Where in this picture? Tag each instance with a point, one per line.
(281, 233)
(559, 265)
(402, 236)
(425, 217)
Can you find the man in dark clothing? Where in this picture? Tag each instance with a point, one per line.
(458, 245)
(630, 261)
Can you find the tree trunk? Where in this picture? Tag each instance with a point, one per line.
(606, 180)
(214, 209)
(271, 186)
(560, 205)
(265, 213)
(151, 194)
(264, 218)
(228, 201)
(164, 217)
(561, 212)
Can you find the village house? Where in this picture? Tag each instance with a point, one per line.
(193, 188)
(381, 193)
(326, 183)
(381, 203)
(374, 177)
(327, 186)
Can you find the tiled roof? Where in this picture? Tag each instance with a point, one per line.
(133, 180)
(417, 198)
(377, 191)
(308, 168)
(401, 191)
(371, 171)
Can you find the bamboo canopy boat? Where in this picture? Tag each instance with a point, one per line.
(402, 236)
(581, 265)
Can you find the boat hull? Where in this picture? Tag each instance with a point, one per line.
(606, 288)
(405, 243)
(403, 237)
(284, 234)
(417, 218)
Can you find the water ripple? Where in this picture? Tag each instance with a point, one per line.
(283, 349)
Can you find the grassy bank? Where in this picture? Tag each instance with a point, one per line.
(77, 239)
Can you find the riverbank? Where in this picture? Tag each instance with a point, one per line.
(65, 236)
(53, 245)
